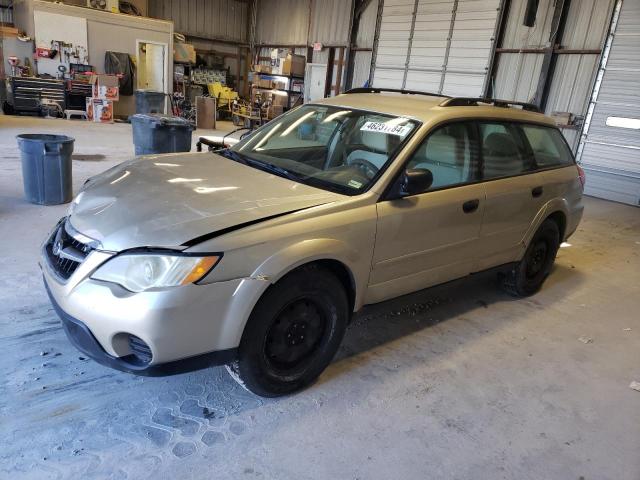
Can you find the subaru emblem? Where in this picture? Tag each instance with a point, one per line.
(57, 247)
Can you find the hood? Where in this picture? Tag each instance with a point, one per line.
(167, 200)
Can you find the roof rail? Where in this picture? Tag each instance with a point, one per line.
(473, 102)
(394, 90)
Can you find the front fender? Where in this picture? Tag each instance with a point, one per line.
(357, 263)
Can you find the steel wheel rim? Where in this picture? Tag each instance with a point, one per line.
(537, 259)
(295, 334)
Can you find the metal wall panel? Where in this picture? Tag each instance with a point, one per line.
(572, 83)
(361, 67)
(445, 47)
(517, 35)
(214, 19)
(330, 22)
(367, 28)
(282, 22)
(517, 76)
(610, 154)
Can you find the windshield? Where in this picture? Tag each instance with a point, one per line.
(334, 148)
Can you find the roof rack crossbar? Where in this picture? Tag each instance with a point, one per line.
(394, 90)
(473, 102)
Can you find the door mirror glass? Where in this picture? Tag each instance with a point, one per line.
(416, 180)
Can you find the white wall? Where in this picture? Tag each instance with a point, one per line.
(105, 32)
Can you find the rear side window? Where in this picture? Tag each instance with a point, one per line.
(547, 145)
(503, 150)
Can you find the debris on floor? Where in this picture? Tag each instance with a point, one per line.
(586, 340)
(635, 386)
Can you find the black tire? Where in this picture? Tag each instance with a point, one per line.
(293, 333)
(528, 275)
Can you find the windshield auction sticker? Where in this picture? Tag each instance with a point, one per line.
(399, 130)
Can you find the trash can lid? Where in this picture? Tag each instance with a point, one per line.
(44, 138)
(160, 118)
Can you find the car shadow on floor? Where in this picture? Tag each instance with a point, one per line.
(469, 308)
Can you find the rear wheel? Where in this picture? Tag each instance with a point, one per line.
(529, 274)
(293, 333)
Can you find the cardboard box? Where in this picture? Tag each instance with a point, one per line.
(105, 87)
(275, 111)
(279, 100)
(206, 112)
(6, 31)
(262, 69)
(99, 111)
(293, 65)
(184, 52)
(262, 82)
(562, 118)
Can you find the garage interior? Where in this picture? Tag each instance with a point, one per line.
(456, 381)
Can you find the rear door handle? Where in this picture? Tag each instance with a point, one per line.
(470, 205)
(536, 192)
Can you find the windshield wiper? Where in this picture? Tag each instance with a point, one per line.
(259, 164)
(231, 155)
(270, 167)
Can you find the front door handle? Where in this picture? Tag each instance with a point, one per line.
(536, 192)
(470, 205)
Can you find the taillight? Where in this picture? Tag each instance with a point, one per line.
(581, 175)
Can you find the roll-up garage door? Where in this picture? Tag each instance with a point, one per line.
(611, 144)
(435, 45)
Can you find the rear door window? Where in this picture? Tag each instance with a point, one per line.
(548, 147)
(503, 150)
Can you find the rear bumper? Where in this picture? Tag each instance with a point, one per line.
(82, 338)
(573, 221)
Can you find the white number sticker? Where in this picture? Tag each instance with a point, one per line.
(399, 130)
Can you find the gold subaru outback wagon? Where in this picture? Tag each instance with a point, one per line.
(256, 256)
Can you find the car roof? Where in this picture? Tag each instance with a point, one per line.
(427, 109)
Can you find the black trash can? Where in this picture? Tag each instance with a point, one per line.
(154, 133)
(148, 101)
(46, 168)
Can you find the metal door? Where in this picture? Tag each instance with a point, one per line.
(610, 148)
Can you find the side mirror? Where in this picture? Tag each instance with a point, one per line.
(416, 180)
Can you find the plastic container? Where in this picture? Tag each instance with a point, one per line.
(155, 133)
(148, 101)
(46, 168)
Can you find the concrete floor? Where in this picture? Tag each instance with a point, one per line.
(459, 382)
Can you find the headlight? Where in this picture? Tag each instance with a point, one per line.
(140, 272)
(74, 203)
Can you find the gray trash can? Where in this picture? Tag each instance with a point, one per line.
(46, 168)
(154, 133)
(149, 102)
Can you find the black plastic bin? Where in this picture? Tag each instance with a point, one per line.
(149, 102)
(46, 168)
(154, 133)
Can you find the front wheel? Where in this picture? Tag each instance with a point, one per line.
(293, 333)
(529, 274)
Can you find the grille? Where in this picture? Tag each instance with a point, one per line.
(65, 253)
(140, 349)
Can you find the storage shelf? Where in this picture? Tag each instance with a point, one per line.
(292, 92)
(293, 77)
